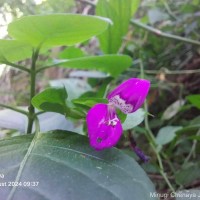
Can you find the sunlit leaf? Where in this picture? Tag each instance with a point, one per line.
(112, 64)
(120, 12)
(56, 29)
(71, 52)
(12, 50)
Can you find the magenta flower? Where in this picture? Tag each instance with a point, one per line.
(130, 95)
(104, 127)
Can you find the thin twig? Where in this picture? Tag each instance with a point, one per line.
(39, 113)
(166, 71)
(169, 9)
(163, 34)
(43, 68)
(17, 66)
(15, 109)
(158, 177)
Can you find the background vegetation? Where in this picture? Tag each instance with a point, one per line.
(162, 38)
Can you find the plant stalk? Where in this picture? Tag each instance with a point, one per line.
(17, 66)
(31, 116)
(151, 137)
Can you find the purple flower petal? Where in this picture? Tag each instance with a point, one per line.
(130, 95)
(140, 154)
(104, 127)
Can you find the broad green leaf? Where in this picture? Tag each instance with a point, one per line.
(71, 52)
(57, 29)
(134, 6)
(194, 100)
(166, 134)
(120, 12)
(112, 64)
(61, 165)
(13, 50)
(188, 174)
(51, 99)
(133, 119)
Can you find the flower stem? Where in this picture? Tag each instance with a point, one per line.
(37, 125)
(31, 108)
(151, 137)
(154, 147)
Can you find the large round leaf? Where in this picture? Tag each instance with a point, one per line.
(61, 165)
(12, 50)
(57, 29)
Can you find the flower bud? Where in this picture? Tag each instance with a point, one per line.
(130, 95)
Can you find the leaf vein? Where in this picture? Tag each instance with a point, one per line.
(23, 163)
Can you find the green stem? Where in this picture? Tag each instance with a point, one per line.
(15, 109)
(154, 147)
(166, 35)
(37, 125)
(31, 108)
(169, 9)
(17, 66)
(192, 151)
(45, 67)
(151, 137)
(168, 162)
